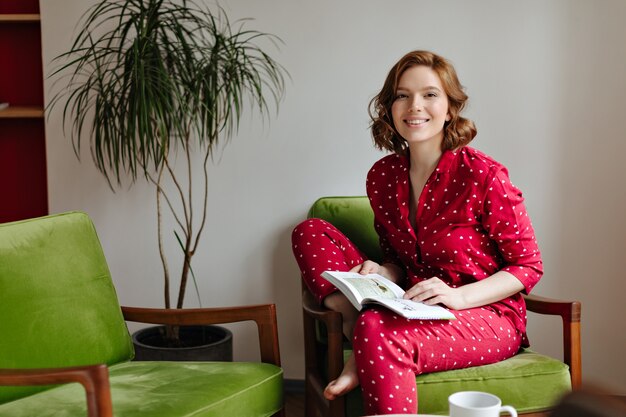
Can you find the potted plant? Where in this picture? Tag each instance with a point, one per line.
(152, 84)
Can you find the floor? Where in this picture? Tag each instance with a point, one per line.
(294, 404)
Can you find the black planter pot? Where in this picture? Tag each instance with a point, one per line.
(200, 343)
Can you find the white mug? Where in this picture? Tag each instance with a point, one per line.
(477, 404)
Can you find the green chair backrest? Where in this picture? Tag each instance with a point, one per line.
(354, 217)
(58, 306)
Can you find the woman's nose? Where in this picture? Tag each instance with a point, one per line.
(415, 105)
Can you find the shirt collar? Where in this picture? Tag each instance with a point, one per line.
(446, 161)
(444, 164)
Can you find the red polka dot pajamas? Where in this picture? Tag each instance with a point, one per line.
(470, 223)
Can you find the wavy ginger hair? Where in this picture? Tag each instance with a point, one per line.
(458, 132)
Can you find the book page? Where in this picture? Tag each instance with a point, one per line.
(414, 310)
(370, 287)
(363, 286)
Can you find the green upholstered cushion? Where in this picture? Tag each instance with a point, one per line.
(169, 389)
(58, 306)
(354, 217)
(528, 381)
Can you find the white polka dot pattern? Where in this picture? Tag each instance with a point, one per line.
(470, 223)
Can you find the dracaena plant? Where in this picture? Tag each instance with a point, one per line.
(147, 80)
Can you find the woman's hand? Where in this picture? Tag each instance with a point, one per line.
(367, 267)
(486, 291)
(434, 291)
(390, 271)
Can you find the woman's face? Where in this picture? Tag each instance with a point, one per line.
(420, 108)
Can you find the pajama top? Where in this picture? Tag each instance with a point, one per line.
(470, 223)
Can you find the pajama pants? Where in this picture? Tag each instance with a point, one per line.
(390, 350)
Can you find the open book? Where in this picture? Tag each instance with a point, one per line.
(374, 288)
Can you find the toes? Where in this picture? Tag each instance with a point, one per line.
(328, 392)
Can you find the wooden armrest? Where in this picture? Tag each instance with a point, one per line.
(332, 319)
(334, 328)
(94, 378)
(570, 312)
(264, 315)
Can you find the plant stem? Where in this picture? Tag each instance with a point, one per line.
(157, 184)
(188, 253)
(181, 193)
(184, 275)
(206, 197)
(166, 274)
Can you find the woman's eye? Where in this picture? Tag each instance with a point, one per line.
(431, 95)
(400, 96)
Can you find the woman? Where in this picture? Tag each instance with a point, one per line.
(453, 230)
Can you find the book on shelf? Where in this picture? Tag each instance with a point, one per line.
(3, 105)
(362, 290)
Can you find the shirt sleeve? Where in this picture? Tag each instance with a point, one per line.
(507, 222)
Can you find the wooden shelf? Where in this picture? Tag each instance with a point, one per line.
(20, 18)
(22, 112)
(23, 176)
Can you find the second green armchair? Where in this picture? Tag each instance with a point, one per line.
(60, 321)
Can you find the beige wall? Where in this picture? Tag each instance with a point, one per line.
(547, 86)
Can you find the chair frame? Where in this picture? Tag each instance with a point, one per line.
(316, 405)
(95, 378)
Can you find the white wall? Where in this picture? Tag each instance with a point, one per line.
(546, 86)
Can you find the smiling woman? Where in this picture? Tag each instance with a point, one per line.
(453, 231)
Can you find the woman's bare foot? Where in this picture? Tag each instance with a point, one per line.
(347, 381)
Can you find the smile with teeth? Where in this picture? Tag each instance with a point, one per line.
(416, 122)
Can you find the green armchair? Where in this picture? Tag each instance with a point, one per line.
(60, 322)
(531, 382)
